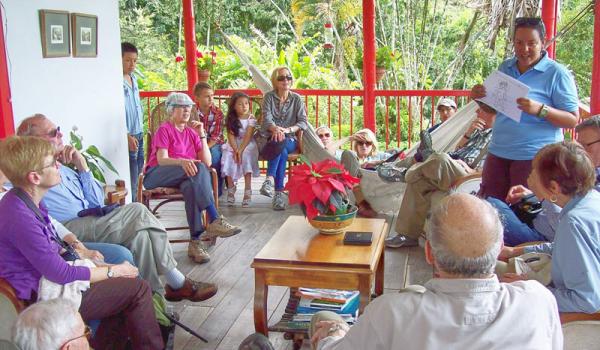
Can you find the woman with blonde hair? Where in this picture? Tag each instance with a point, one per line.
(283, 115)
(364, 154)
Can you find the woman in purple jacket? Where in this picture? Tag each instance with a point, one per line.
(31, 249)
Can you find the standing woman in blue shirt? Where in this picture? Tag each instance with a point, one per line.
(564, 174)
(550, 105)
(133, 115)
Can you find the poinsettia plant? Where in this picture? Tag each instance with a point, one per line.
(320, 187)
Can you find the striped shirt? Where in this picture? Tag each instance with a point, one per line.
(473, 152)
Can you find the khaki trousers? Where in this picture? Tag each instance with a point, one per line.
(424, 181)
(134, 227)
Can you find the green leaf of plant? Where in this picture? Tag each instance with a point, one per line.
(75, 140)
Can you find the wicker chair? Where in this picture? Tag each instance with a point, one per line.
(166, 194)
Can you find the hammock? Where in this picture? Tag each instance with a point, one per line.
(386, 197)
(382, 196)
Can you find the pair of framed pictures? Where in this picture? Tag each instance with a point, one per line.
(59, 28)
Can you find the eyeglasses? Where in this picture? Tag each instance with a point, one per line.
(181, 106)
(365, 143)
(86, 333)
(54, 164)
(589, 144)
(284, 78)
(52, 133)
(324, 135)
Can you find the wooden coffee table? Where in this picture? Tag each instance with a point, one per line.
(298, 256)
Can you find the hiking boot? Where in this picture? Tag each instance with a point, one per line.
(191, 290)
(390, 173)
(425, 148)
(267, 188)
(278, 201)
(221, 228)
(197, 251)
(399, 241)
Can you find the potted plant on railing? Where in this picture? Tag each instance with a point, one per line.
(384, 58)
(206, 63)
(321, 190)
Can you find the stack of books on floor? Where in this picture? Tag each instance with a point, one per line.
(305, 302)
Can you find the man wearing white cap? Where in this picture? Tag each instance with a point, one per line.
(446, 108)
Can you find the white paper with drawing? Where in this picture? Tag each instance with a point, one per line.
(502, 92)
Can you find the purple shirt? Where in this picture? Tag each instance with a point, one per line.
(27, 251)
(179, 144)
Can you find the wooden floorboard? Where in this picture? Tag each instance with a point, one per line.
(227, 318)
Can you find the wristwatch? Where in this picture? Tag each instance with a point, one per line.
(110, 273)
(543, 113)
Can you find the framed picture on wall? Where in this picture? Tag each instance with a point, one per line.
(84, 34)
(55, 33)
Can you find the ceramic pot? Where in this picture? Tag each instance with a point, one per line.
(333, 224)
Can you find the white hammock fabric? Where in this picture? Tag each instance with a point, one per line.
(385, 197)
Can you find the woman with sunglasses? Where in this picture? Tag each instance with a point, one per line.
(364, 154)
(283, 115)
(550, 105)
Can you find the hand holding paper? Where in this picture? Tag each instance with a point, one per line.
(502, 93)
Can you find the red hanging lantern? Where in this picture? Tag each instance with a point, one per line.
(328, 35)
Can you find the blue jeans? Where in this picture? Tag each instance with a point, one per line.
(276, 167)
(515, 231)
(136, 164)
(215, 155)
(113, 253)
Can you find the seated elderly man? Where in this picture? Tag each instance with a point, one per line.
(464, 306)
(180, 157)
(131, 225)
(332, 146)
(51, 324)
(428, 172)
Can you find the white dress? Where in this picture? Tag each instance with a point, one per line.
(249, 158)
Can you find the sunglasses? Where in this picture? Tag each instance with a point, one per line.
(53, 132)
(324, 135)
(530, 21)
(284, 78)
(365, 143)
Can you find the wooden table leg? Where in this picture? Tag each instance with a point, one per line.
(379, 274)
(261, 291)
(364, 287)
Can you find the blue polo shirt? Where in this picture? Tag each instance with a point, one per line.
(133, 107)
(549, 83)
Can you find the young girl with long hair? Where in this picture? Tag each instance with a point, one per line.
(240, 153)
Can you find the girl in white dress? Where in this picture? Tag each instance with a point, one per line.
(240, 153)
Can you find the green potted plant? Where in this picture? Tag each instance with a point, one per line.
(205, 63)
(384, 58)
(320, 189)
(92, 157)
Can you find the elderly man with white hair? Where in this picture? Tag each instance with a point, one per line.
(464, 306)
(51, 324)
(132, 225)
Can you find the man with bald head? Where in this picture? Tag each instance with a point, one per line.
(464, 306)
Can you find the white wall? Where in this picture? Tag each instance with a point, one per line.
(86, 92)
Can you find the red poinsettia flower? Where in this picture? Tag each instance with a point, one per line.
(325, 182)
(178, 58)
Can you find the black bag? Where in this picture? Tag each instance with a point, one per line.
(527, 209)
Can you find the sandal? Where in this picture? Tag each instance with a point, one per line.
(247, 198)
(231, 195)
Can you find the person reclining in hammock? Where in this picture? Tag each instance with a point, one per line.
(428, 172)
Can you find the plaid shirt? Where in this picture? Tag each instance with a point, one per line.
(470, 153)
(213, 128)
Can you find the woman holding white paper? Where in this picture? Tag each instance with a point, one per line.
(550, 105)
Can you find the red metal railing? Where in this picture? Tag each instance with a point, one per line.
(400, 114)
